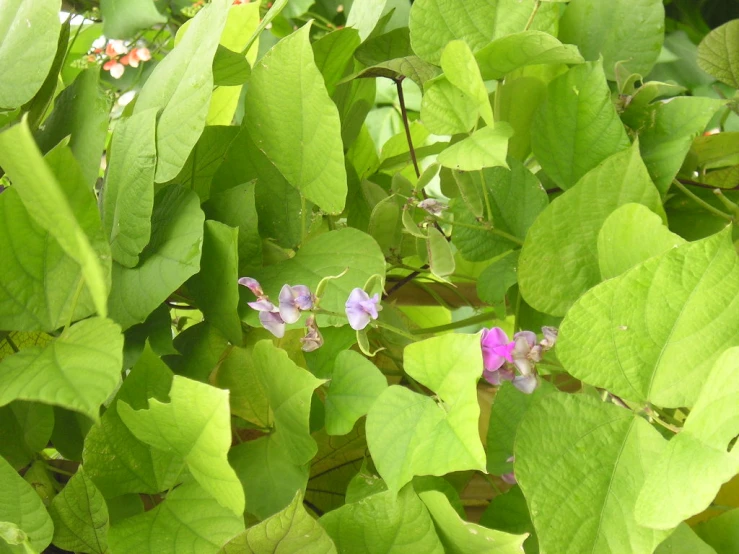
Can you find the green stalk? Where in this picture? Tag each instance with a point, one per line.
(702, 203)
(479, 318)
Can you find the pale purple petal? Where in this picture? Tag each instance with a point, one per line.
(509, 478)
(432, 206)
(496, 377)
(252, 284)
(526, 383)
(288, 310)
(262, 305)
(358, 318)
(528, 336)
(313, 338)
(523, 365)
(550, 336)
(273, 323)
(536, 352)
(360, 308)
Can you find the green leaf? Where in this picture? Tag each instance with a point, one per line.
(201, 416)
(28, 42)
(21, 506)
(291, 530)
(189, 520)
(559, 259)
(123, 18)
(410, 434)
(355, 385)
(81, 112)
(80, 517)
(717, 53)
(486, 147)
(506, 54)
(180, 88)
(388, 46)
(581, 463)
(328, 254)
(640, 345)
(516, 200)
(70, 430)
(434, 23)
(116, 461)
(520, 98)
(445, 109)
(630, 235)
(79, 370)
(439, 253)
(332, 53)
(685, 478)
(461, 70)
(37, 275)
(387, 522)
(508, 512)
(384, 224)
(237, 373)
(128, 195)
(25, 428)
(509, 409)
(289, 389)
(721, 532)
(201, 347)
(170, 258)
(495, 280)
(625, 31)
(577, 127)
(270, 478)
(461, 537)
(53, 206)
(684, 541)
(304, 143)
(396, 69)
(215, 287)
(236, 207)
(667, 132)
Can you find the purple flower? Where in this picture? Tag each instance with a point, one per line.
(253, 285)
(432, 206)
(262, 305)
(312, 339)
(510, 477)
(293, 300)
(496, 348)
(273, 323)
(360, 308)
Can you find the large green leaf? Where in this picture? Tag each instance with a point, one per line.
(81, 112)
(170, 258)
(21, 506)
(627, 31)
(291, 530)
(512, 52)
(180, 88)
(386, 522)
(717, 53)
(128, 195)
(445, 109)
(486, 147)
(355, 385)
(577, 127)
(289, 389)
(683, 541)
(667, 131)
(116, 461)
(721, 532)
(559, 259)
(581, 464)
(630, 235)
(686, 477)
(304, 140)
(410, 434)
(268, 474)
(79, 370)
(122, 18)
(237, 373)
(516, 200)
(201, 416)
(38, 280)
(189, 521)
(29, 30)
(80, 517)
(328, 254)
(215, 287)
(25, 428)
(653, 333)
(461, 70)
(54, 206)
(461, 537)
(434, 23)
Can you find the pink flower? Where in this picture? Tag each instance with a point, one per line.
(496, 348)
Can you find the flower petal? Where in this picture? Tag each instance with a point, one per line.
(262, 305)
(273, 323)
(526, 383)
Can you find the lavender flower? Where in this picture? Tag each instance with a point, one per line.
(432, 206)
(312, 339)
(360, 308)
(269, 315)
(273, 323)
(496, 350)
(293, 300)
(253, 285)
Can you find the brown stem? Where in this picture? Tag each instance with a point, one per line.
(407, 279)
(404, 113)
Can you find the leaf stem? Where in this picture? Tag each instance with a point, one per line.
(493, 230)
(393, 329)
(537, 5)
(479, 318)
(404, 114)
(728, 203)
(702, 203)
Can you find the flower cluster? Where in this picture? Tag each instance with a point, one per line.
(502, 357)
(116, 55)
(292, 300)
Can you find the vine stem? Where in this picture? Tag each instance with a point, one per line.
(404, 114)
(537, 5)
(498, 232)
(702, 203)
(479, 318)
